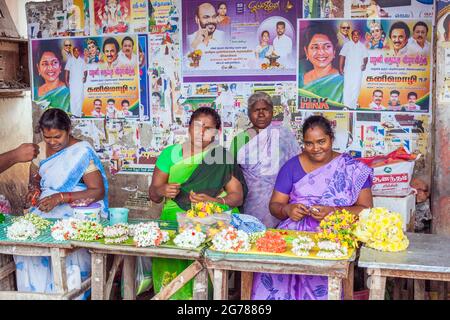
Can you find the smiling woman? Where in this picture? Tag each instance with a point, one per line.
(53, 92)
(309, 187)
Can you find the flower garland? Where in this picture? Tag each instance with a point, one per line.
(22, 229)
(39, 222)
(203, 210)
(231, 239)
(338, 227)
(64, 229)
(302, 245)
(331, 249)
(189, 239)
(87, 231)
(115, 234)
(381, 229)
(271, 242)
(149, 234)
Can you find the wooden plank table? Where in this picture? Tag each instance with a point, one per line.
(339, 272)
(427, 258)
(57, 252)
(126, 254)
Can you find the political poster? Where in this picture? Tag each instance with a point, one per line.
(87, 76)
(163, 16)
(144, 88)
(371, 65)
(239, 40)
(119, 16)
(398, 9)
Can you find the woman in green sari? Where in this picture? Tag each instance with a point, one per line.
(197, 171)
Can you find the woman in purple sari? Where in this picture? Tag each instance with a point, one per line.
(309, 187)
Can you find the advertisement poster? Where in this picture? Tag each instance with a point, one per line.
(119, 16)
(87, 76)
(239, 40)
(163, 16)
(398, 9)
(443, 20)
(328, 9)
(144, 89)
(384, 67)
(57, 18)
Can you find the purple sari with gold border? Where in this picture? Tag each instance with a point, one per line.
(338, 183)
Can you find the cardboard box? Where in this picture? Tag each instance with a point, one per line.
(406, 206)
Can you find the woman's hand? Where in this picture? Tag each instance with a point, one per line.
(200, 197)
(169, 190)
(320, 212)
(32, 197)
(296, 211)
(48, 203)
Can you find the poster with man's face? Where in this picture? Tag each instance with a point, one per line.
(239, 40)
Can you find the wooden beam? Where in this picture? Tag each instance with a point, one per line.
(112, 273)
(246, 285)
(98, 278)
(419, 289)
(349, 282)
(377, 287)
(423, 275)
(334, 288)
(129, 278)
(220, 284)
(7, 269)
(177, 283)
(59, 270)
(76, 292)
(201, 285)
(14, 295)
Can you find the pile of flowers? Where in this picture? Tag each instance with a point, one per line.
(39, 223)
(117, 233)
(331, 249)
(255, 236)
(338, 227)
(149, 234)
(271, 242)
(22, 229)
(87, 231)
(301, 245)
(203, 210)
(231, 239)
(381, 229)
(189, 239)
(64, 229)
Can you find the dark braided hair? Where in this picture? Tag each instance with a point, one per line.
(208, 112)
(318, 121)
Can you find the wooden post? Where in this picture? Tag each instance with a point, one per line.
(419, 289)
(59, 270)
(377, 287)
(443, 290)
(246, 285)
(398, 287)
(349, 282)
(220, 284)
(112, 273)
(98, 279)
(201, 285)
(129, 278)
(334, 288)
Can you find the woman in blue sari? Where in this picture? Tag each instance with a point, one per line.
(264, 48)
(324, 79)
(67, 170)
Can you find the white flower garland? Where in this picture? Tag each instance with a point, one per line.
(302, 245)
(329, 249)
(149, 234)
(64, 229)
(231, 239)
(117, 233)
(189, 239)
(22, 229)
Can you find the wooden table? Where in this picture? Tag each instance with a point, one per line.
(427, 258)
(339, 272)
(102, 283)
(57, 252)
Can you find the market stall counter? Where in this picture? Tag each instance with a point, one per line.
(427, 258)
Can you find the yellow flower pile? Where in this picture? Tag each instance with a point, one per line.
(338, 227)
(203, 210)
(381, 229)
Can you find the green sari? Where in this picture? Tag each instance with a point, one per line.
(56, 98)
(193, 173)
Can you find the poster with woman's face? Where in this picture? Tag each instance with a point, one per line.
(87, 76)
(371, 65)
(239, 40)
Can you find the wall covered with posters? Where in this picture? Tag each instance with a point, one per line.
(132, 71)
